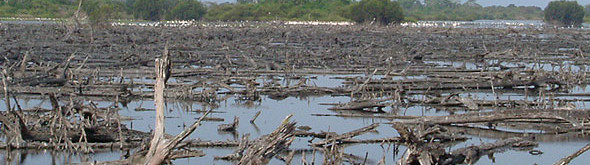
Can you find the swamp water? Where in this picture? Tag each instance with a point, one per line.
(181, 114)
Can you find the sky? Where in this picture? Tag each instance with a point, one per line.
(539, 3)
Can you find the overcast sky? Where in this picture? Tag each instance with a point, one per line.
(540, 3)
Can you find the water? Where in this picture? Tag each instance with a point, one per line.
(181, 113)
(273, 112)
(553, 151)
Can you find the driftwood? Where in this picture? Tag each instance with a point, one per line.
(573, 117)
(75, 127)
(255, 117)
(422, 150)
(471, 154)
(365, 106)
(347, 135)
(418, 152)
(569, 158)
(269, 145)
(238, 152)
(422, 64)
(230, 127)
(261, 150)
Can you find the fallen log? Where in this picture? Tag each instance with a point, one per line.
(471, 154)
(571, 116)
(229, 127)
(365, 106)
(569, 158)
(346, 135)
(422, 150)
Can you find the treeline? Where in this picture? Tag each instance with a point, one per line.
(36, 8)
(468, 11)
(383, 11)
(266, 10)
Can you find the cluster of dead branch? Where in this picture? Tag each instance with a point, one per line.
(73, 126)
(430, 67)
(424, 149)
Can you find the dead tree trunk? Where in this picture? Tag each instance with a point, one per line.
(153, 156)
(14, 128)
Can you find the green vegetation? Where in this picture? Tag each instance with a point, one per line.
(565, 13)
(156, 10)
(100, 11)
(36, 8)
(468, 11)
(152, 10)
(382, 11)
(187, 10)
(265, 10)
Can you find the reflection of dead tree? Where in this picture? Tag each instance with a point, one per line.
(486, 132)
(375, 106)
(229, 127)
(337, 138)
(557, 117)
(423, 150)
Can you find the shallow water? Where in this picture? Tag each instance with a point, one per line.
(180, 114)
(273, 112)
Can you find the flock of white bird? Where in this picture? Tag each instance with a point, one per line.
(319, 23)
(537, 24)
(444, 24)
(181, 23)
(28, 19)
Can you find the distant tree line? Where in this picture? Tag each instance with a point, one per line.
(35, 8)
(153, 10)
(379, 11)
(265, 10)
(468, 11)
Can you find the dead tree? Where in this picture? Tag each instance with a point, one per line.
(157, 153)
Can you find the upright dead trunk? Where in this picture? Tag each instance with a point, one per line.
(13, 128)
(162, 75)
